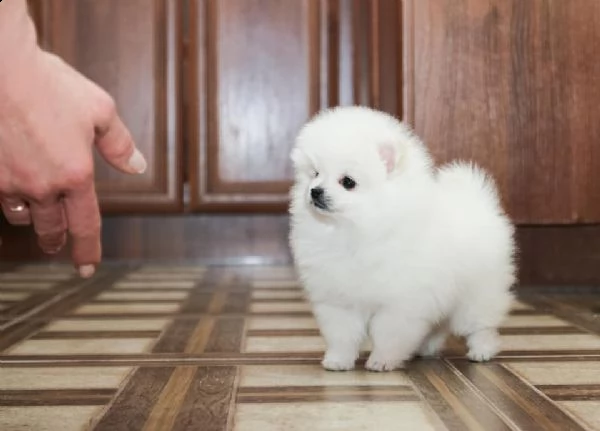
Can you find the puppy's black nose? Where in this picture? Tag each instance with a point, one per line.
(317, 193)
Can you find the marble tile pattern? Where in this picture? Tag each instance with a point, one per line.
(179, 347)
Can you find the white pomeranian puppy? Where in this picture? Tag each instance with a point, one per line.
(390, 247)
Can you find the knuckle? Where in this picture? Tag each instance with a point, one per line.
(106, 105)
(76, 176)
(39, 191)
(50, 232)
(121, 148)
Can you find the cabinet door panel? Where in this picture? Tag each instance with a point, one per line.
(257, 73)
(131, 49)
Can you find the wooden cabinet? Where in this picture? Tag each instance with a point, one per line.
(259, 69)
(514, 85)
(511, 84)
(256, 74)
(132, 49)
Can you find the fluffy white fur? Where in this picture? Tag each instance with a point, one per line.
(412, 253)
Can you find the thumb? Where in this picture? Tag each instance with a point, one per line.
(115, 144)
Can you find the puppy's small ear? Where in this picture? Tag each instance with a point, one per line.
(389, 155)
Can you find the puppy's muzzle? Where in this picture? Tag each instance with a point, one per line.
(317, 195)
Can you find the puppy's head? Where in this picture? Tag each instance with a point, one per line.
(345, 157)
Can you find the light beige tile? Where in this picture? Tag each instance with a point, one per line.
(133, 308)
(259, 322)
(172, 269)
(309, 375)
(284, 344)
(528, 321)
(27, 285)
(280, 307)
(518, 305)
(13, 296)
(62, 378)
(82, 346)
(355, 416)
(587, 412)
(556, 342)
(18, 276)
(558, 373)
(148, 276)
(107, 325)
(63, 418)
(44, 269)
(276, 284)
(271, 271)
(278, 294)
(161, 284)
(132, 296)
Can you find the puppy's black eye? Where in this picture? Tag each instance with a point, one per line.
(348, 183)
(315, 174)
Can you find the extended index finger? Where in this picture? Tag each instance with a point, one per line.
(83, 220)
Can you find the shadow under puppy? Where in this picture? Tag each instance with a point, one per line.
(391, 247)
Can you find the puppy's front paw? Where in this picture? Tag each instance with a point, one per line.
(379, 364)
(482, 353)
(483, 346)
(334, 362)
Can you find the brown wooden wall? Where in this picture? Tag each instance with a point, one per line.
(215, 90)
(515, 85)
(215, 104)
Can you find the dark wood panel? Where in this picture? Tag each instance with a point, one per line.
(559, 255)
(131, 49)
(513, 85)
(369, 39)
(256, 73)
(208, 239)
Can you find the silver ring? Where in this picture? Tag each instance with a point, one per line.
(17, 208)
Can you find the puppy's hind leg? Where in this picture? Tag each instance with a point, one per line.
(478, 319)
(434, 342)
(343, 330)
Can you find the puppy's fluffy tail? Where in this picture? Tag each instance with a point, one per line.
(466, 177)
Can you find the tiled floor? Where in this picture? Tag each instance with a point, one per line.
(188, 348)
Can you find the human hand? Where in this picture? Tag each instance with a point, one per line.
(50, 118)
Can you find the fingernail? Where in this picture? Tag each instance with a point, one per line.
(86, 271)
(137, 162)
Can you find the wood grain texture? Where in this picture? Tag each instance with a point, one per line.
(72, 294)
(226, 336)
(520, 402)
(457, 405)
(56, 397)
(208, 401)
(514, 86)
(208, 383)
(132, 50)
(579, 392)
(133, 405)
(256, 74)
(328, 394)
(164, 412)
